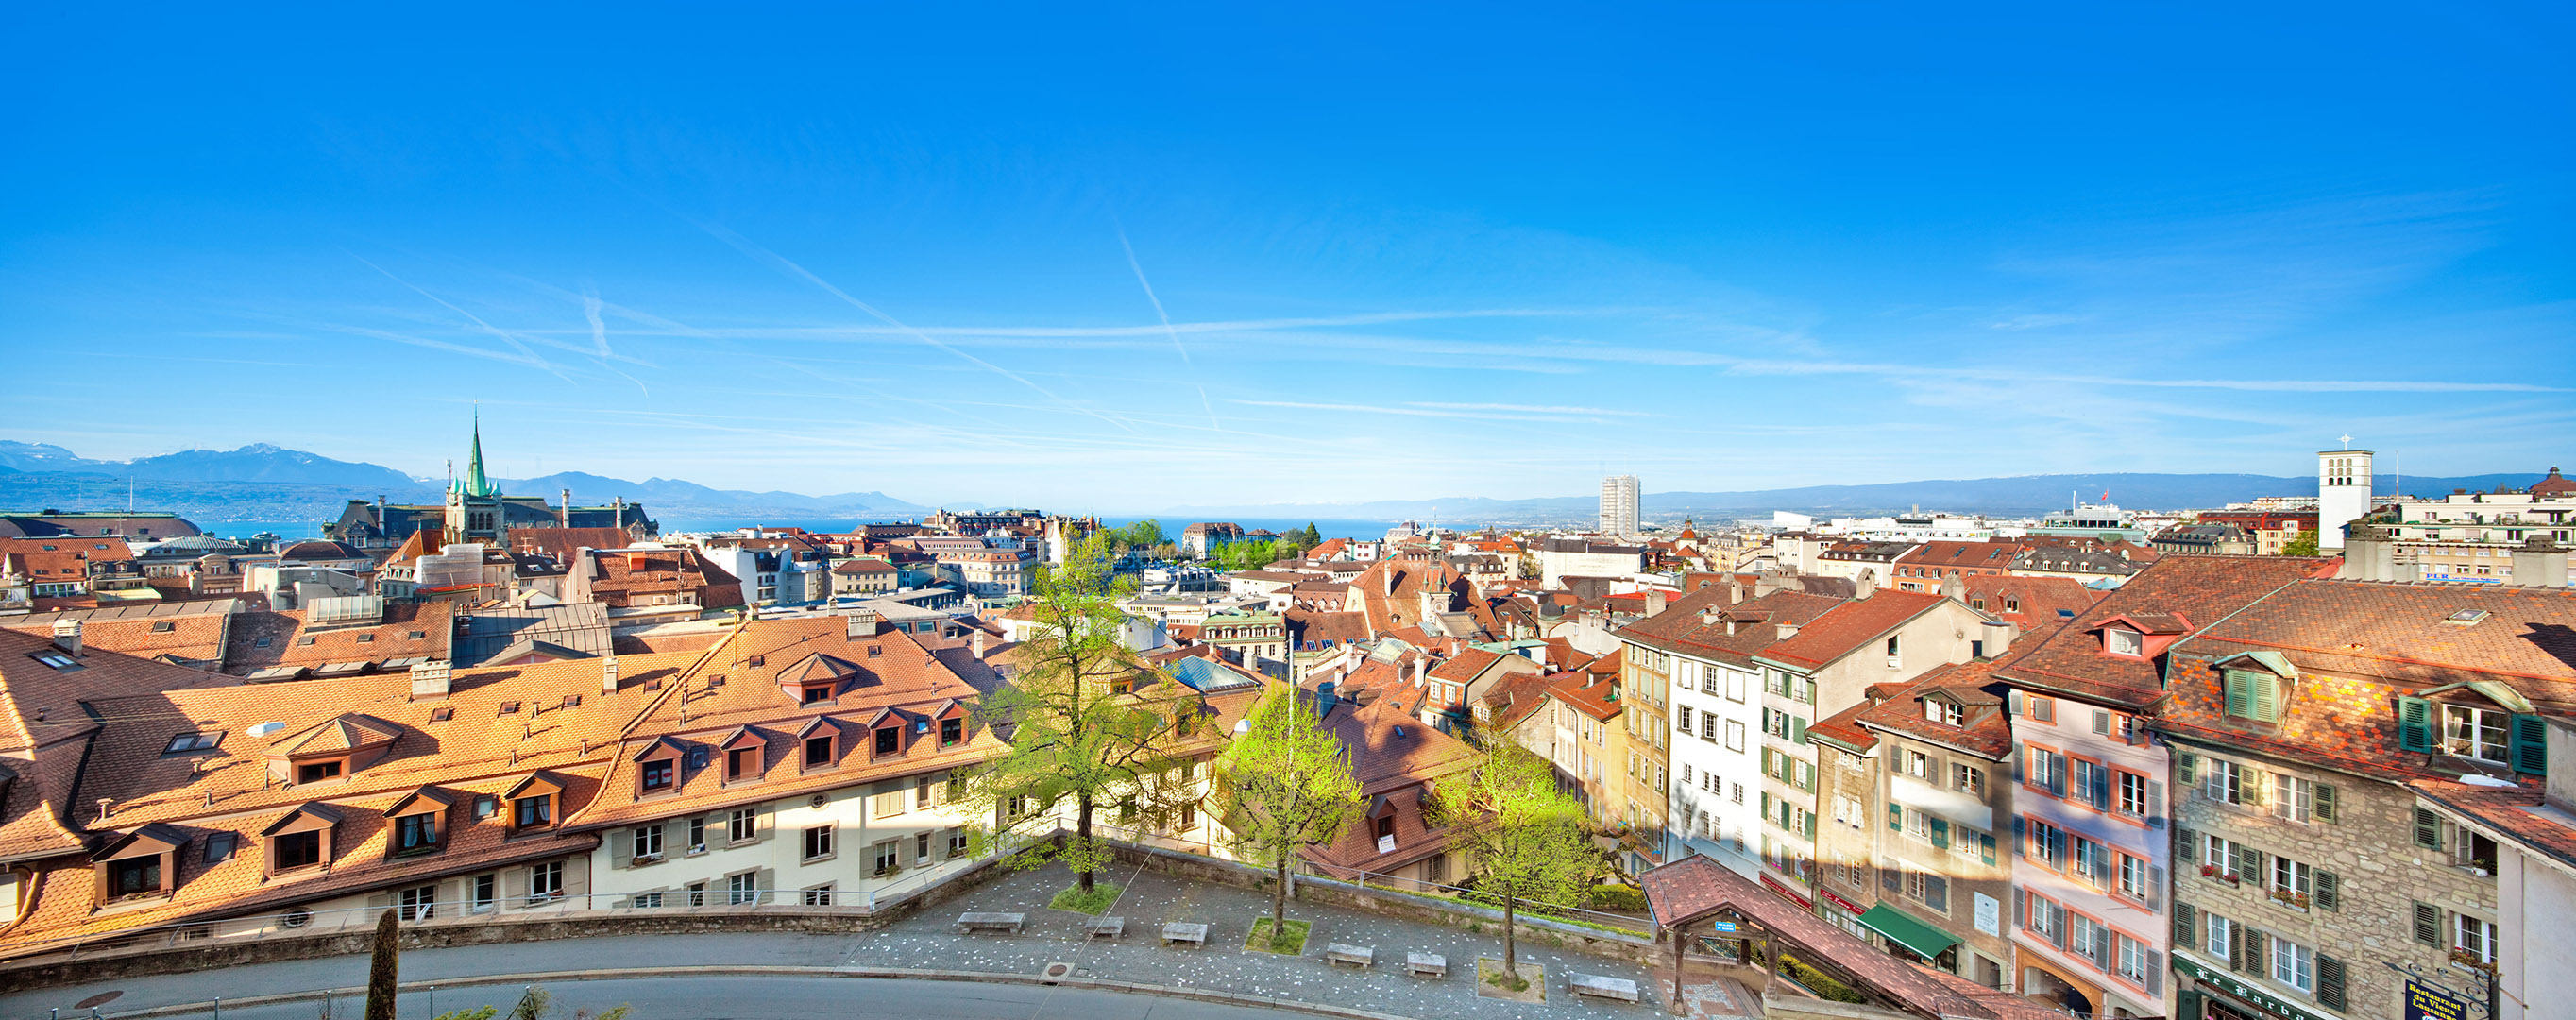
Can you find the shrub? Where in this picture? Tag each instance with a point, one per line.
(1615, 897)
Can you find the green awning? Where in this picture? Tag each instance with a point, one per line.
(1902, 929)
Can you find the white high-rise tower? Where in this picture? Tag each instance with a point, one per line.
(1619, 505)
(2343, 493)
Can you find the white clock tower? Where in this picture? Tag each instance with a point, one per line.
(2343, 492)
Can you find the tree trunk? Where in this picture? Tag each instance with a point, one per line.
(1510, 967)
(1082, 834)
(383, 980)
(1279, 900)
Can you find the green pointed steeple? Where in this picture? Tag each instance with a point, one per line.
(476, 483)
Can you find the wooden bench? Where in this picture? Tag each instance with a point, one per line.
(1105, 927)
(1358, 956)
(1177, 932)
(975, 921)
(1426, 964)
(1598, 986)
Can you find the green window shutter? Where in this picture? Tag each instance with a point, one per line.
(1896, 818)
(1766, 761)
(2186, 846)
(2265, 691)
(1986, 845)
(1811, 825)
(1766, 803)
(2255, 951)
(2240, 694)
(2249, 864)
(1797, 729)
(2328, 888)
(2330, 989)
(2324, 802)
(1940, 834)
(2428, 924)
(2183, 924)
(2530, 745)
(2185, 767)
(2415, 725)
(2428, 829)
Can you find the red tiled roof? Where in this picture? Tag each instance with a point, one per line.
(1845, 628)
(2071, 661)
(1984, 729)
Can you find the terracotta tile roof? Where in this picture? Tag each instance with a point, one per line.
(2516, 812)
(2358, 645)
(1984, 728)
(1465, 665)
(1697, 888)
(195, 631)
(562, 543)
(1945, 554)
(2070, 661)
(1395, 757)
(1847, 627)
(273, 638)
(2035, 602)
(1844, 729)
(1696, 624)
(1587, 694)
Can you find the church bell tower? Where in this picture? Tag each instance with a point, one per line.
(473, 502)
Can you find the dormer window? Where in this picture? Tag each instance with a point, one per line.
(319, 771)
(302, 839)
(139, 865)
(2118, 641)
(2472, 732)
(533, 802)
(745, 755)
(951, 731)
(889, 740)
(419, 822)
(657, 768)
(2253, 696)
(818, 751)
(1941, 710)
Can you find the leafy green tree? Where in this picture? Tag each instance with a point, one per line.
(1077, 730)
(2304, 545)
(384, 970)
(1145, 534)
(1524, 836)
(1311, 538)
(1285, 786)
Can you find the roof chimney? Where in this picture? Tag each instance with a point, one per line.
(1765, 584)
(1954, 588)
(1788, 629)
(1655, 602)
(608, 674)
(429, 681)
(982, 641)
(67, 636)
(863, 622)
(1995, 637)
(1865, 585)
(1734, 590)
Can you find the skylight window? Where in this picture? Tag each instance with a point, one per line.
(2466, 617)
(192, 741)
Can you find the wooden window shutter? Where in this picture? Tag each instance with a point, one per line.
(379, 902)
(2186, 767)
(764, 882)
(2530, 744)
(2156, 803)
(2266, 694)
(2330, 978)
(1797, 729)
(1811, 824)
(1891, 878)
(2155, 887)
(2428, 829)
(1940, 834)
(2249, 863)
(1986, 846)
(2186, 846)
(2428, 924)
(2155, 973)
(2254, 950)
(2240, 694)
(1896, 818)
(2415, 725)
(2327, 891)
(2324, 802)
(621, 846)
(514, 887)
(2021, 842)
(2184, 923)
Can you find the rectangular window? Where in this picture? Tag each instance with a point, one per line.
(2471, 732)
(886, 804)
(2218, 856)
(819, 896)
(887, 855)
(2294, 965)
(2474, 938)
(2293, 798)
(2133, 877)
(2048, 843)
(416, 834)
(656, 776)
(534, 812)
(417, 903)
(298, 849)
(545, 881)
(2292, 878)
(2220, 938)
(2092, 861)
(2225, 781)
(486, 889)
(818, 842)
(648, 900)
(697, 835)
(2133, 960)
(1918, 764)
(648, 842)
(742, 888)
(2048, 770)
(957, 842)
(2133, 794)
(2090, 783)
(1734, 735)
(742, 824)
(1968, 779)
(818, 752)
(697, 894)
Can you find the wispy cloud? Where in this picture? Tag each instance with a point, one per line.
(1533, 409)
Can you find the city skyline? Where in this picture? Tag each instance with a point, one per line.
(1016, 272)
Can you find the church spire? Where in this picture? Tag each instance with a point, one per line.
(475, 482)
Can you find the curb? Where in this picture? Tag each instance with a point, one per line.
(749, 970)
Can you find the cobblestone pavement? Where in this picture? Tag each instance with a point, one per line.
(1149, 899)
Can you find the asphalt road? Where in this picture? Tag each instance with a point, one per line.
(792, 998)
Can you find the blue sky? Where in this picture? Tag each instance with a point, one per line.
(1129, 259)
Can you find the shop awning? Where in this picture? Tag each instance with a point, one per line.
(1902, 929)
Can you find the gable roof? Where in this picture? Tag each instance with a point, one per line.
(2070, 660)
(1847, 627)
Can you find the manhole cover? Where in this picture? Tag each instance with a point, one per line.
(1057, 972)
(100, 999)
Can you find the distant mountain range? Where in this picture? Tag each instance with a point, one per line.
(262, 482)
(2023, 495)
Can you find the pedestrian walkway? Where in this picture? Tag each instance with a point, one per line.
(929, 940)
